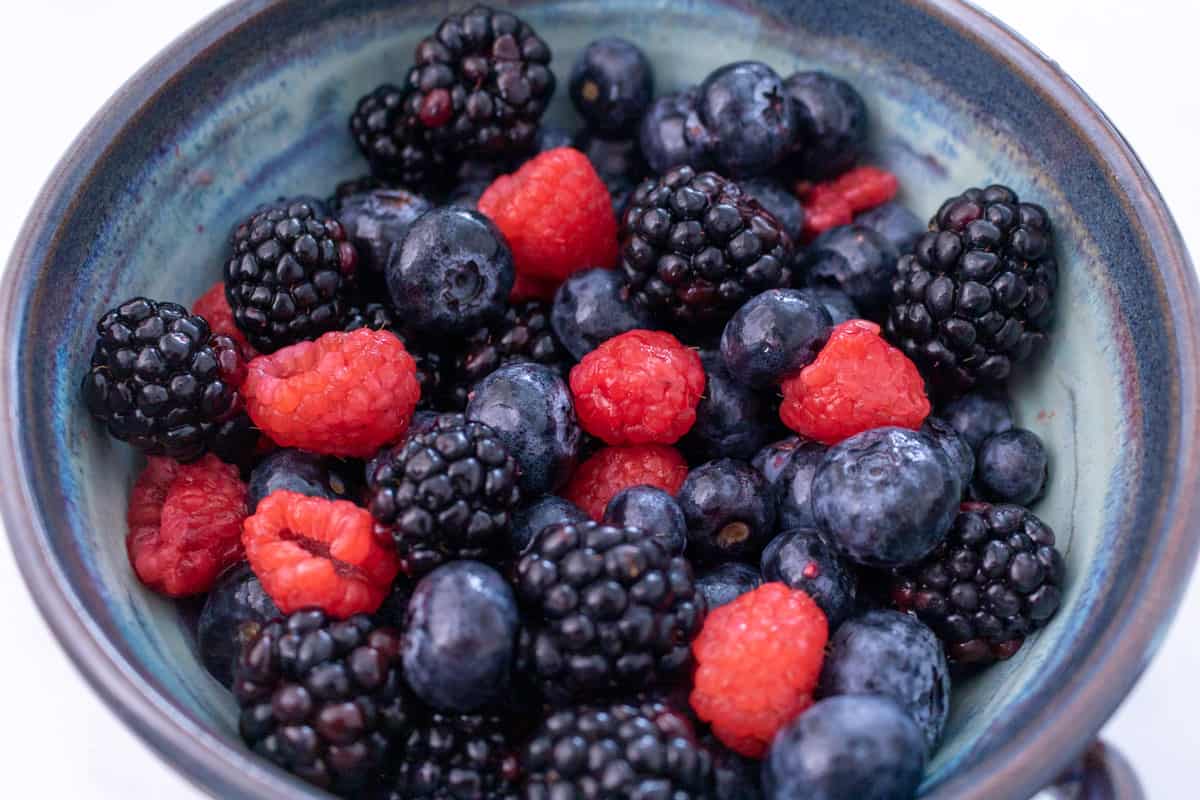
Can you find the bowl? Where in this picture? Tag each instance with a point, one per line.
(252, 104)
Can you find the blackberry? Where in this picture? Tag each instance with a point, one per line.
(695, 247)
(162, 382)
(479, 85)
(607, 609)
(456, 757)
(288, 274)
(393, 142)
(623, 750)
(976, 295)
(524, 334)
(446, 494)
(995, 579)
(432, 366)
(324, 699)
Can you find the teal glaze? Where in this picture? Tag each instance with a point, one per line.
(252, 104)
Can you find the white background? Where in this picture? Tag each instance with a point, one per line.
(62, 58)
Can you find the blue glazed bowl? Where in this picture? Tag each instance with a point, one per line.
(252, 103)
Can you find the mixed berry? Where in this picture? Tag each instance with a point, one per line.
(597, 466)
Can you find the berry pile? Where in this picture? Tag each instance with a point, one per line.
(525, 470)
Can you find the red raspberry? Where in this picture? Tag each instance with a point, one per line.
(557, 215)
(863, 188)
(185, 524)
(641, 387)
(612, 469)
(525, 288)
(346, 394)
(214, 307)
(757, 663)
(857, 382)
(309, 551)
(824, 208)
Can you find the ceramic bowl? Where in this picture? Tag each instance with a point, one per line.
(252, 104)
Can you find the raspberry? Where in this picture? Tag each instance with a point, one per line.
(641, 387)
(214, 307)
(835, 202)
(603, 476)
(346, 394)
(857, 382)
(313, 552)
(185, 524)
(758, 660)
(824, 208)
(557, 215)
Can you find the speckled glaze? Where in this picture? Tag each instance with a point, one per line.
(252, 104)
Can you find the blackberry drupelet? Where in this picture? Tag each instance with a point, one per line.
(393, 143)
(457, 757)
(288, 275)
(624, 750)
(432, 366)
(695, 247)
(162, 382)
(324, 699)
(446, 494)
(976, 295)
(524, 334)
(479, 85)
(995, 579)
(607, 609)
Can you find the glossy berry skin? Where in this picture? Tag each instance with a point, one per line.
(459, 637)
(978, 415)
(547, 510)
(782, 204)
(789, 470)
(653, 511)
(1012, 467)
(611, 86)
(839, 305)
(730, 419)
(856, 260)
(961, 457)
(673, 135)
(452, 273)
(894, 222)
(774, 335)
(774, 457)
(296, 471)
(530, 409)
(854, 747)
(726, 582)
(886, 497)
(892, 654)
(234, 611)
(729, 510)
(804, 558)
(831, 124)
(614, 469)
(592, 307)
(375, 222)
(750, 116)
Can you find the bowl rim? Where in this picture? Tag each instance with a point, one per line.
(1047, 740)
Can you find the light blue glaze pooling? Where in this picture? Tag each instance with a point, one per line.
(253, 106)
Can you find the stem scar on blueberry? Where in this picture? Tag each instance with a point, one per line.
(734, 533)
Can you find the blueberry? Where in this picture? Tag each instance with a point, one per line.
(793, 488)
(543, 512)
(977, 416)
(851, 747)
(1012, 467)
(727, 582)
(836, 302)
(729, 418)
(751, 117)
(856, 260)
(295, 471)
(451, 274)
(804, 559)
(460, 636)
(529, 406)
(466, 195)
(377, 221)
(771, 460)
(892, 654)
(735, 777)
(551, 137)
(613, 158)
(831, 124)
(591, 307)
(895, 223)
(774, 335)
(234, 611)
(672, 135)
(651, 510)
(729, 510)
(611, 86)
(961, 457)
(886, 497)
(780, 201)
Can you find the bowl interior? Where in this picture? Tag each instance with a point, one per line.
(262, 113)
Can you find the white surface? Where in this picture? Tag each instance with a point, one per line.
(62, 58)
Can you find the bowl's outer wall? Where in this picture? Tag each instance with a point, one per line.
(253, 106)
